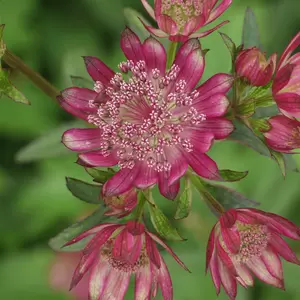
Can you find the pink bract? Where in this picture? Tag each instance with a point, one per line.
(116, 252)
(153, 125)
(286, 85)
(181, 19)
(252, 65)
(284, 136)
(247, 242)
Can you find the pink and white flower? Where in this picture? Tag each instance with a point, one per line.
(284, 135)
(150, 122)
(286, 85)
(247, 242)
(252, 65)
(116, 252)
(181, 19)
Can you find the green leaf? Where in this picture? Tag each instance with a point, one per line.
(265, 112)
(229, 175)
(132, 19)
(47, 145)
(229, 198)
(81, 82)
(229, 44)
(264, 101)
(2, 45)
(184, 201)
(100, 176)
(84, 191)
(285, 162)
(9, 90)
(74, 230)
(162, 224)
(251, 36)
(244, 135)
(260, 125)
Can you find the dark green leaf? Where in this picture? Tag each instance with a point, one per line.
(81, 82)
(100, 176)
(244, 135)
(184, 201)
(285, 162)
(229, 175)
(86, 192)
(47, 145)
(265, 112)
(229, 44)
(162, 224)
(229, 198)
(9, 90)
(251, 36)
(74, 230)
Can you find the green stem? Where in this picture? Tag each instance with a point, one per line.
(171, 54)
(207, 197)
(16, 63)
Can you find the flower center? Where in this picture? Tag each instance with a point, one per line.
(122, 264)
(181, 11)
(254, 240)
(143, 117)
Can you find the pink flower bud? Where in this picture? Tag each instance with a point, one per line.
(286, 86)
(247, 242)
(284, 136)
(180, 19)
(252, 65)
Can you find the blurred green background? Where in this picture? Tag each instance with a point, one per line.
(51, 36)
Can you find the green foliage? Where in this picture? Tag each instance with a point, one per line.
(184, 201)
(251, 36)
(100, 175)
(84, 191)
(230, 176)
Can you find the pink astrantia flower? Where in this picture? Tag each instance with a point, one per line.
(115, 253)
(121, 205)
(247, 242)
(254, 67)
(286, 86)
(153, 124)
(181, 19)
(284, 135)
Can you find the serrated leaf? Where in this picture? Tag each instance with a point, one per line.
(229, 198)
(46, 146)
(162, 224)
(84, 191)
(251, 36)
(244, 135)
(100, 176)
(184, 201)
(9, 90)
(74, 230)
(81, 82)
(229, 44)
(231, 176)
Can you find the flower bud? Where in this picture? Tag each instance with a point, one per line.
(253, 65)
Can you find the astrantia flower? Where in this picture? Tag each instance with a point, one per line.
(121, 205)
(247, 242)
(284, 135)
(118, 251)
(286, 86)
(150, 122)
(181, 19)
(252, 65)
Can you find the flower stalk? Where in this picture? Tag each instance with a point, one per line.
(16, 63)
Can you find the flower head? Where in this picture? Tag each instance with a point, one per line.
(246, 242)
(121, 205)
(284, 135)
(150, 122)
(286, 85)
(254, 67)
(180, 19)
(114, 253)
